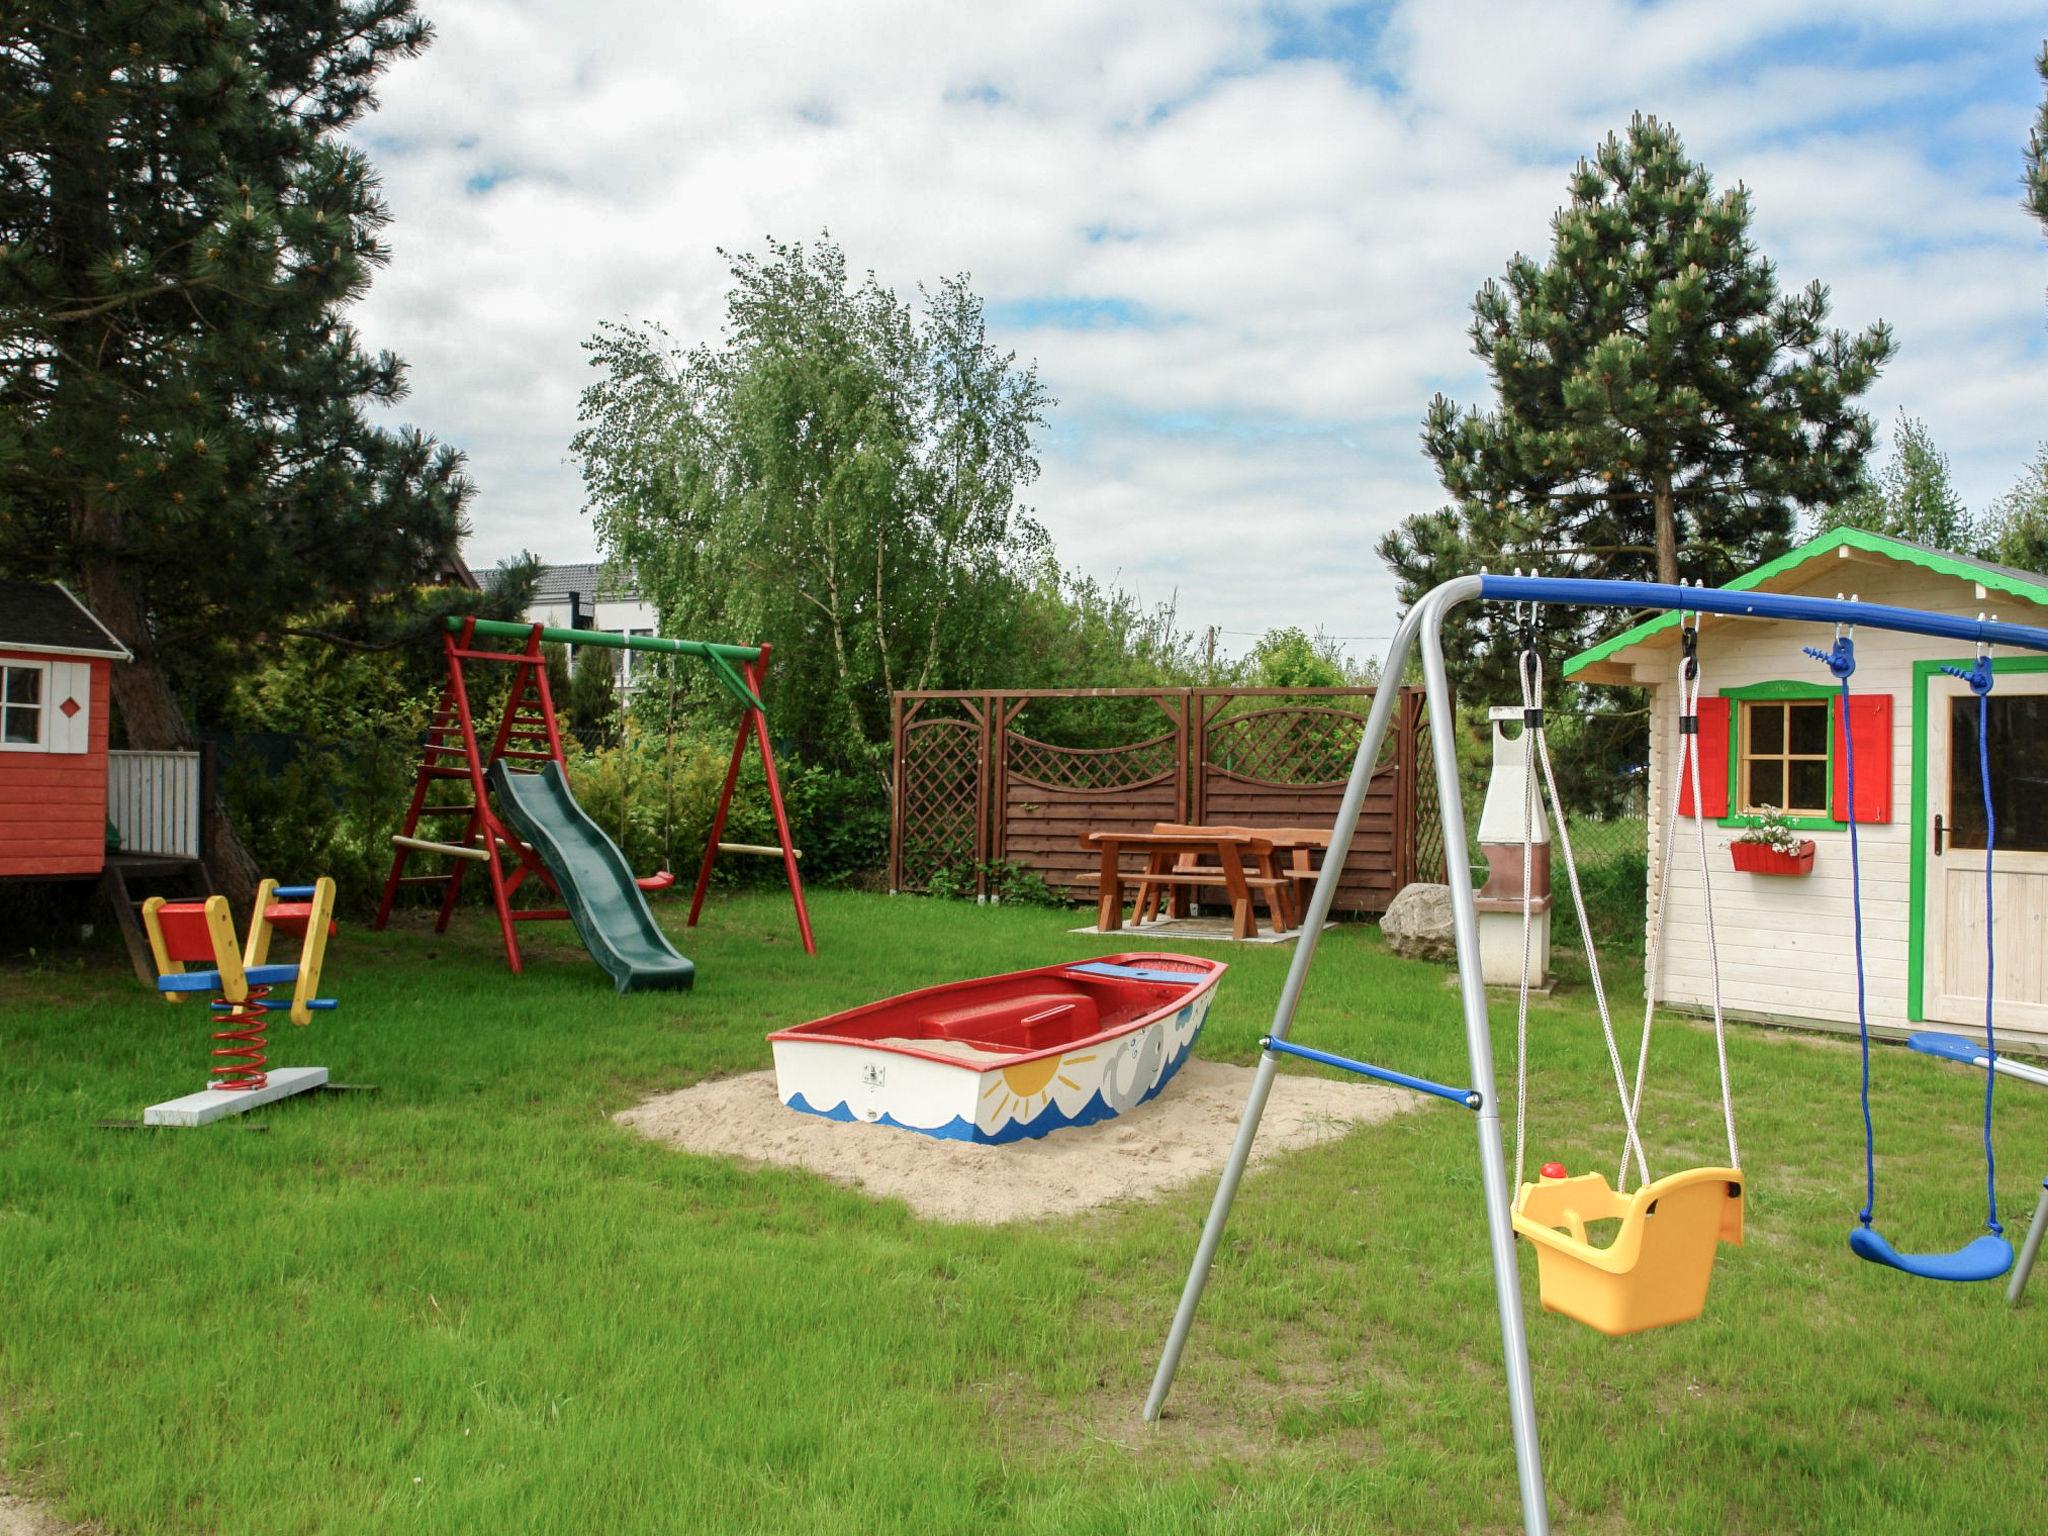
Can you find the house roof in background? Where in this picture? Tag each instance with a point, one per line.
(590, 580)
(2031, 586)
(44, 616)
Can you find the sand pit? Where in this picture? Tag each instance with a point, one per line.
(18, 1517)
(1182, 1135)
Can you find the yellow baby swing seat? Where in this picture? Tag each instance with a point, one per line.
(1656, 1270)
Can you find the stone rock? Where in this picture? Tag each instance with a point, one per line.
(1418, 924)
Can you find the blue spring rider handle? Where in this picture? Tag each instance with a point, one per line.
(1989, 1256)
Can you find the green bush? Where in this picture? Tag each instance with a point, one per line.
(1002, 880)
(308, 807)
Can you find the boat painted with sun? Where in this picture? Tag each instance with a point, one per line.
(1004, 1058)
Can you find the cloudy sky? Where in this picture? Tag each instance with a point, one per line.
(1239, 239)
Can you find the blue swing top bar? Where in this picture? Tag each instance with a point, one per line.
(1590, 593)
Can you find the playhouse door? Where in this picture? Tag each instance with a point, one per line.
(1954, 968)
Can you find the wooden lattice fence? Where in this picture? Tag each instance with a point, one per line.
(974, 788)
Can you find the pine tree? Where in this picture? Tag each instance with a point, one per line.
(183, 428)
(2016, 525)
(2036, 179)
(1663, 407)
(1912, 497)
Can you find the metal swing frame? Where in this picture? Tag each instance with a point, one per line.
(1422, 628)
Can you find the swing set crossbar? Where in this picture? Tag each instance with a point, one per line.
(1466, 1096)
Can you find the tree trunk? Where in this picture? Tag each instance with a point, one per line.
(1666, 513)
(149, 711)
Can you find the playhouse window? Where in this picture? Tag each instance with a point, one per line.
(1785, 756)
(21, 706)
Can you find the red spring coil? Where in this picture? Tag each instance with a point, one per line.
(242, 1042)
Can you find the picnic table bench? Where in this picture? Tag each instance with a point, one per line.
(1174, 859)
(1291, 862)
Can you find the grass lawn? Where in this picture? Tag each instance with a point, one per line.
(470, 1303)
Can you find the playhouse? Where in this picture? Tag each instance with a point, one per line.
(55, 664)
(1771, 734)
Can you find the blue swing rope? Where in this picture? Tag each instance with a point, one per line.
(1841, 661)
(1979, 679)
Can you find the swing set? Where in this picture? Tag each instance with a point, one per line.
(1655, 1268)
(525, 749)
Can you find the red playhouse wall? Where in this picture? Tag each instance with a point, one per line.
(53, 805)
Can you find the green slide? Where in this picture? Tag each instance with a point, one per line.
(610, 914)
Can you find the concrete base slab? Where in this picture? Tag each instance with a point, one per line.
(210, 1104)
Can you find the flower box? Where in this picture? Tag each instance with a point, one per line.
(1762, 859)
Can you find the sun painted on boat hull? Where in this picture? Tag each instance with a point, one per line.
(1006, 1058)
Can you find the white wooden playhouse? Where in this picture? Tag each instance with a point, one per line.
(1770, 735)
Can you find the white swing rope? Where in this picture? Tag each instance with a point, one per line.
(1530, 668)
(1688, 761)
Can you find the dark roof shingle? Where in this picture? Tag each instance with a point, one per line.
(44, 616)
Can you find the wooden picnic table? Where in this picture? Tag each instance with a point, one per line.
(1291, 861)
(1164, 853)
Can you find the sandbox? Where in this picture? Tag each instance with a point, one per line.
(1182, 1135)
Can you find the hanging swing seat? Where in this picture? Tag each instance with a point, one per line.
(1984, 1259)
(660, 880)
(1655, 1271)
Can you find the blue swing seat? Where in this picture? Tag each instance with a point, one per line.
(1985, 1259)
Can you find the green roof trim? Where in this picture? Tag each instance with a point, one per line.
(1996, 578)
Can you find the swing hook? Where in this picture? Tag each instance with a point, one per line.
(1979, 675)
(1841, 659)
(1526, 624)
(1689, 641)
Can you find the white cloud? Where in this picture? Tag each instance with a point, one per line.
(1308, 232)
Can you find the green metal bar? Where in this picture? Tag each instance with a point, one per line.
(500, 629)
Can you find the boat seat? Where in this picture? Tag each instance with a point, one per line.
(1023, 1021)
(1656, 1270)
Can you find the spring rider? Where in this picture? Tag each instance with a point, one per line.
(239, 982)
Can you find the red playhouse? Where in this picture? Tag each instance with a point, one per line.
(55, 676)
(521, 823)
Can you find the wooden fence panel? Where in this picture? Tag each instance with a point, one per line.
(1050, 795)
(1285, 764)
(940, 817)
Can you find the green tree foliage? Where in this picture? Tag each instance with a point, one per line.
(2015, 528)
(1912, 496)
(592, 705)
(1293, 658)
(184, 428)
(1662, 407)
(837, 476)
(2036, 180)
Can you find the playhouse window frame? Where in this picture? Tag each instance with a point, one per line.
(1742, 810)
(39, 711)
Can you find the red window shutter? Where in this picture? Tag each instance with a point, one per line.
(1713, 761)
(1870, 727)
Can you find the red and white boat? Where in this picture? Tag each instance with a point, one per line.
(1004, 1057)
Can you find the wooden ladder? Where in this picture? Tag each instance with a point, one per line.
(526, 735)
(185, 879)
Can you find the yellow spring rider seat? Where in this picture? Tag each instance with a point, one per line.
(1655, 1268)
